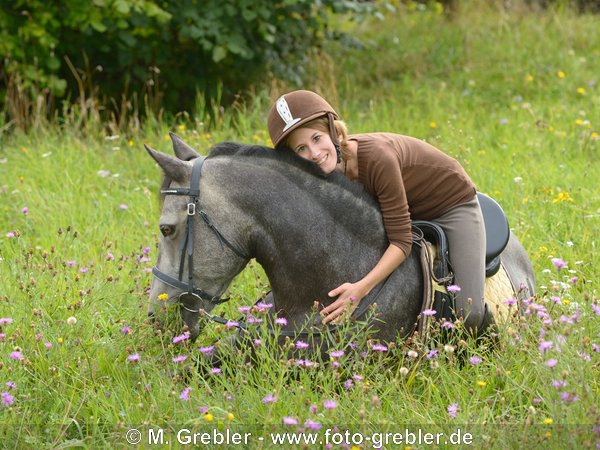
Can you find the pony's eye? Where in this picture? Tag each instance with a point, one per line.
(167, 230)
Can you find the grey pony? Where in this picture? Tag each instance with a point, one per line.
(309, 232)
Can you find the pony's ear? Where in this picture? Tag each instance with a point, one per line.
(174, 168)
(181, 149)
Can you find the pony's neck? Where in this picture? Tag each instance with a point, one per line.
(310, 229)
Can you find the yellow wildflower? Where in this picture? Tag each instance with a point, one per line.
(529, 78)
(60, 340)
(561, 74)
(432, 125)
(230, 416)
(481, 383)
(562, 197)
(579, 122)
(548, 421)
(581, 90)
(164, 296)
(208, 417)
(181, 127)
(594, 135)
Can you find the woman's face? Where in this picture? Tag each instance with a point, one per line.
(314, 145)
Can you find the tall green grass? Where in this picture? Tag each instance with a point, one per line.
(512, 94)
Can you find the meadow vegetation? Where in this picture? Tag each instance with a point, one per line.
(511, 93)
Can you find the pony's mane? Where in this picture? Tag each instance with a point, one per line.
(287, 156)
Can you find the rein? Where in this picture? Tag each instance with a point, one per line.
(187, 247)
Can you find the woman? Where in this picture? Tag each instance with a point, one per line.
(410, 179)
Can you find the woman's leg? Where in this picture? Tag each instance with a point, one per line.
(465, 230)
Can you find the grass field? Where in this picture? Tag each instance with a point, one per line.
(513, 95)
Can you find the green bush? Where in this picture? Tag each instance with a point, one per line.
(161, 52)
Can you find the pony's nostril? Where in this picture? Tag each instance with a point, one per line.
(167, 230)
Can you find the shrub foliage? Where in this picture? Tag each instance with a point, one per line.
(163, 51)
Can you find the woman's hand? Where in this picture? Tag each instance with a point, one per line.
(349, 296)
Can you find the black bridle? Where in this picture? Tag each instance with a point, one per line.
(191, 294)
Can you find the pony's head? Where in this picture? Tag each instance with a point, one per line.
(196, 262)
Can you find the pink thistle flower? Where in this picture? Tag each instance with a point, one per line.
(336, 353)
(110, 256)
(264, 306)
(357, 377)
(71, 262)
(348, 384)
(17, 355)
(312, 425)
(83, 270)
(126, 330)
(231, 324)
(48, 345)
(329, 404)
(301, 345)
(203, 409)
(545, 346)
(185, 394)
(182, 337)
(123, 206)
(269, 399)
(11, 385)
(289, 421)
(215, 370)
(432, 354)
(25, 210)
(146, 250)
(559, 263)
(7, 399)
(257, 343)
(179, 359)
(244, 309)
(253, 320)
(510, 301)
(313, 409)
(10, 234)
(379, 348)
(453, 288)
(447, 324)
(428, 312)
(574, 280)
(281, 321)
(596, 309)
(551, 362)
(453, 410)
(5, 320)
(207, 350)
(134, 357)
(475, 360)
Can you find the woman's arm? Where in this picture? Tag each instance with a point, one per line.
(350, 294)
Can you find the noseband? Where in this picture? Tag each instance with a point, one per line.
(192, 294)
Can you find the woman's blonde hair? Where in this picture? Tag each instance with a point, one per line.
(322, 124)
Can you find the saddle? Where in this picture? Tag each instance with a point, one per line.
(439, 270)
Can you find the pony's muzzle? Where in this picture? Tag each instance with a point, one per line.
(190, 312)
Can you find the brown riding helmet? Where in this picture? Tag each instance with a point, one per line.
(296, 108)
